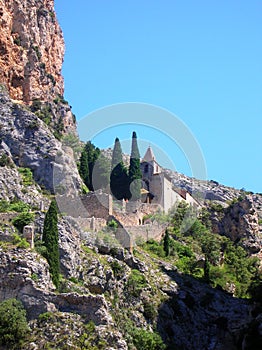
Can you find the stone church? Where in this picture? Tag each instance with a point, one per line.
(157, 187)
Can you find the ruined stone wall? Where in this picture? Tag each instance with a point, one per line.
(91, 224)
(146, 232)
(98, 204)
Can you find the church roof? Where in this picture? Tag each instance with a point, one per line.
(149, 155)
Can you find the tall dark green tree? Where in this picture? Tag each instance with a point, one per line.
(83, 167)
(50, 241)
(167, 243)
(117, 156)
(135, 174)
(88, 159)
(119, 180)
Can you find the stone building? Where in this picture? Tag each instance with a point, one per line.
(157, 186)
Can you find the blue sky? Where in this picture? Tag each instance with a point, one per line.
(200, 60)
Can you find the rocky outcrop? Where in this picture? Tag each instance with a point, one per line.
(30, 143)
(31, 50)
(241, 222)
(25, 275)
(203, 190)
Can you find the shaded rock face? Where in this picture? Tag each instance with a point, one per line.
(31, 50)
(241, 222)
(199, 317)
(30, 143)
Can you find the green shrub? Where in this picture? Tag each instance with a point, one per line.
(46, 316)
(155, 248)
(27, 176)
(21, 242)
(22, 220)
(35, 277)
(16, 205)
(145, 340)
(4, 206)
(13, 323)
(150, 311)
(5, 160)
(136, 282)
(113, 224)
(118, 269)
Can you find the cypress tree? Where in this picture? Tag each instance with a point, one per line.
(88, 159)
(167, 243)
(83, 167)
(135, 174)
(117, 156)
(119, 181)
(50, 241)
(93, 153)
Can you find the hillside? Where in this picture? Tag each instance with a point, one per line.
(195, 289)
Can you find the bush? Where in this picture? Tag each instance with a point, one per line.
(145, 340)
(5, 160)
(112, 224)
(22, 220)
(27, 176)
(136, 282)
(150, 311)
(13, 323)
(15, 205)
(154, 247)
(20, 241)
(118, 269)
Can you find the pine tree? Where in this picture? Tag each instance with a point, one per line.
(119, 181)
(167, 243)
(135, 174)
(50, 241)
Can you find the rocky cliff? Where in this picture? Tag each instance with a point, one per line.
(31, 57)
(29, 142)
(108, 298)
(32, 50)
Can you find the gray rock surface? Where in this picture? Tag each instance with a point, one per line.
(32, 144)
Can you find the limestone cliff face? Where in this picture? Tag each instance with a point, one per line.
(31, 49)
(241, 222)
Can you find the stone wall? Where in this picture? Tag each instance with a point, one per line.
(122, 235)
(97, 204)
(146, 232)
(91, 224)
